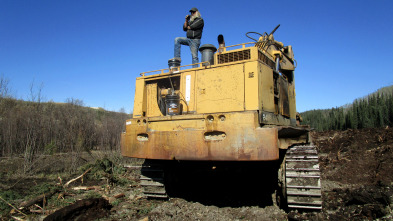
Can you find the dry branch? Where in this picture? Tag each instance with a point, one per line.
(17, 218)
(132, 167)
(86, 188)
(12, 206)
(38, 207)
(60, 180)
(79, 177)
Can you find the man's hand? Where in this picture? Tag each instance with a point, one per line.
(188, 17)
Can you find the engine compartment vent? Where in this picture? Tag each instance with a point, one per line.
(234, 56)
(262, 57)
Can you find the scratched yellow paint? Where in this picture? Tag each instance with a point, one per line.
(251, 85)
(140, 98)
(220, 89)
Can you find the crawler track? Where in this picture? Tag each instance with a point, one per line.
(303, 182)
(152, 180)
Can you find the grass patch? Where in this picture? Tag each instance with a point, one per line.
(9, 196)
(92, 195)
(145, 210)
(116, 203)
(42, 188)
(59, 203)
(105, 168)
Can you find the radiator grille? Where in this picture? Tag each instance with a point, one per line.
(234, 56)
(262, 57)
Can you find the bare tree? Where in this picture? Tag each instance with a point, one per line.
(33, 126)
(4, 89)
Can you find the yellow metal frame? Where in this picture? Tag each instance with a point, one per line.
(241, 92)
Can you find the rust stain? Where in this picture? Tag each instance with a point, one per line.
(243, 142)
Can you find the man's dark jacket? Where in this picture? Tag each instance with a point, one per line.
(196, 27)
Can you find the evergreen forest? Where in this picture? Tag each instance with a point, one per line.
(372, 111)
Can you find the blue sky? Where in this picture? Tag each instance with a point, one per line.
(93, 50)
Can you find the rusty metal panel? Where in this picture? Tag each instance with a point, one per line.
(292, 100)
(284, 98)
(241, 140)
(266, 89)
(176, 125)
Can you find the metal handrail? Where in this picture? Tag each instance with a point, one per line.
(200, 64)
(169, 70)
(242, 44)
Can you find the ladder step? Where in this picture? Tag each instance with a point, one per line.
(303, 194)
(314, 203)
(163, 192)
(303, 151)
(304, 187)
(305, 207)
(152, 184)
(314, 174)
(151, 179)
(304, 176)
(301, 169)
(310, 160)
(156, 196)
(305, 146)
(302, 157)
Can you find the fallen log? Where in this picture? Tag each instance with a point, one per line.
(111, 199)
(119, 195)
(37, 199)
(87, 209)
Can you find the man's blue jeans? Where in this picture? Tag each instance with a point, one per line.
(194, 46)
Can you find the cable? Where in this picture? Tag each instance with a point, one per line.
(170, 80)
(251, 32)
(184, 100)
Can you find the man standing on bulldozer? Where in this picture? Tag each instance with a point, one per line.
(193, 25)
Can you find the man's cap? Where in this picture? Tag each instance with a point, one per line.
(193, 10)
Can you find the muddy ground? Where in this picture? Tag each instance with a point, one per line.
(357, 184)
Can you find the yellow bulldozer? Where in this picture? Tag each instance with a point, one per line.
(233, 113)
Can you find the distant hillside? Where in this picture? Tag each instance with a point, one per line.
(28, 128)
(373, 110)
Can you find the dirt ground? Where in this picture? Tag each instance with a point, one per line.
(357, 184)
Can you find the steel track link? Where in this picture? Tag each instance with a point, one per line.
(152, 180)
(303, 181)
